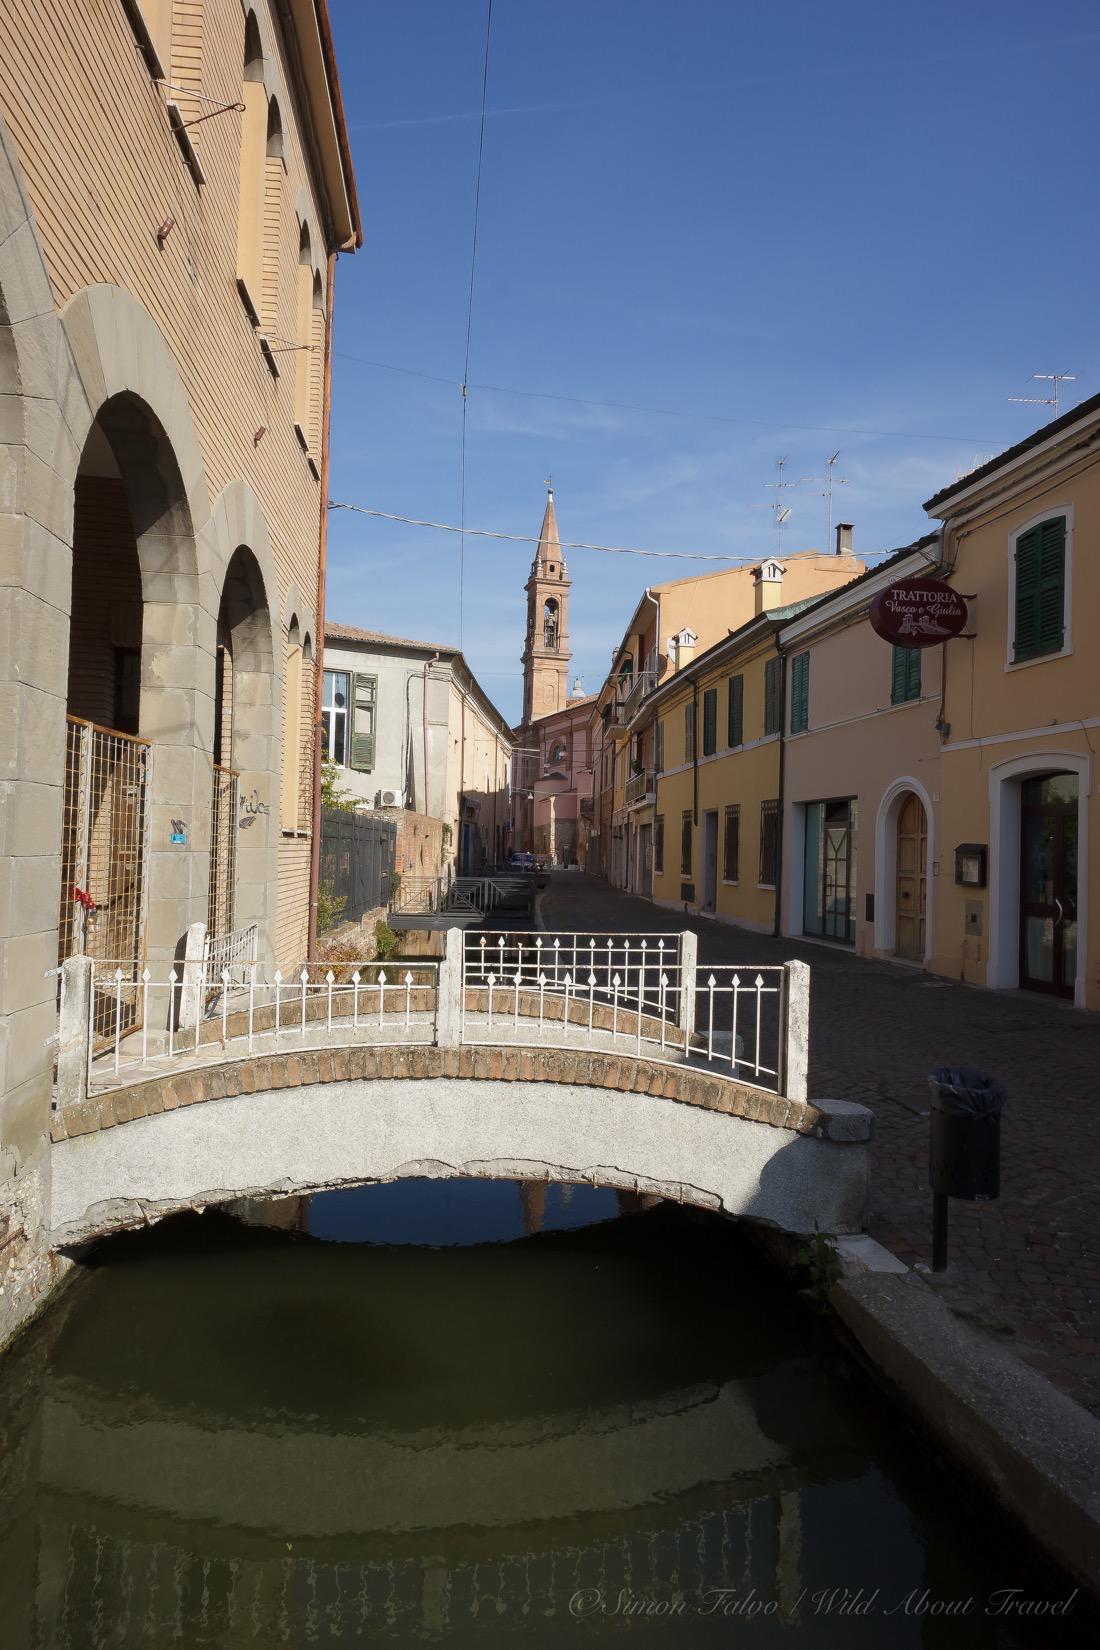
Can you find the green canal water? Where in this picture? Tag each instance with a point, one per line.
(473, 1415)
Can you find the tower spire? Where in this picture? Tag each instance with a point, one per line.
(549, 550)
(546, 653)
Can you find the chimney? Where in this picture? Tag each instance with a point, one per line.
(768, 585)
(844, 538)
(683, 648)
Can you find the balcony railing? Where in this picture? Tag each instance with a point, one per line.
(640, 787)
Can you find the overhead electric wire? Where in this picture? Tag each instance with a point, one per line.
(566, 544)
(661, 412)
(470, 324)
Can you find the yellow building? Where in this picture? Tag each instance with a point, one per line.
(1017, 900)
(673, 623)
(717, 730)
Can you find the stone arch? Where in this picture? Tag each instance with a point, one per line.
(886, 862)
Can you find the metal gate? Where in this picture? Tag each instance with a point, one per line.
(105, 861)
(223, 851)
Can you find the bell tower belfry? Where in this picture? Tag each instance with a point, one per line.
(546, 652)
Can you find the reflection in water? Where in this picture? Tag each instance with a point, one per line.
(228, 1436)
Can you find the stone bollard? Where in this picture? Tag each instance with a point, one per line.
(191, 992)
(448, 1014)
(689, 963)
(796, 1030)
(74, 1031)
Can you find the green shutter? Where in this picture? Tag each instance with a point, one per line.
(771, 695)
(904, 675)
(1040, 589)
(364, 708)
(800, 692)
(736, 729)
(912, 673)
(710, 721)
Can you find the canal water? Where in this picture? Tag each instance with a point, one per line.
(473, 1414)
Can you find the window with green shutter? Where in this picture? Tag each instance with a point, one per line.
(904, 675)
(800, 692)
(1040, 589)
(773, 682)
(735, 732)
(659, 747)
(364, 709)
(689, 732)
(710, 721)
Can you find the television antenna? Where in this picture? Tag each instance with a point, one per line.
(830, 480)
(1054, 379)
(781, 513)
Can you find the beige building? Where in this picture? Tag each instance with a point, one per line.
(860, 771)
(1017, 900)
(410, 727)
(175, 184)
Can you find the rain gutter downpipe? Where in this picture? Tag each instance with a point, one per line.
(428, 663)
(776, 921)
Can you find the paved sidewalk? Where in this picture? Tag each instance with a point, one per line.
(1027, 1268)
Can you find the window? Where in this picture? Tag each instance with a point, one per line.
(800, 692)
(773, 686)
(731, 855)
(363, 711)
(685, 843)
(250, 209)
(689, 732)
(769, 843)
(710, 721)
(152, 30)
(303, 340)
(659, 844)
(550, 624)
(334, 719)
(1040, 595)
(659, 748)
(735, 715)
(904, 675)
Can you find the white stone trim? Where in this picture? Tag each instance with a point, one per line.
(1003, 964)
(886, 863)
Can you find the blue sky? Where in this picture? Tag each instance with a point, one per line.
(875, 219)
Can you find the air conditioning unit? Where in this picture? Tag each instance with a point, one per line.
(389, 799)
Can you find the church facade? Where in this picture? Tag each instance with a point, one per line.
(552, 765)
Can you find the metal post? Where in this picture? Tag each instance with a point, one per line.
(939, 1231)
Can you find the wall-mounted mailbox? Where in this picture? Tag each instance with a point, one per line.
(971, 859)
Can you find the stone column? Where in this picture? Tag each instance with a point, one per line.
(796, 1030)
(448, 1020)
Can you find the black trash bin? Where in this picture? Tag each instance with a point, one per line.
(964, 1147)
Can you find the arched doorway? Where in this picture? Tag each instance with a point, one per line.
(133, 833)
(911, 879)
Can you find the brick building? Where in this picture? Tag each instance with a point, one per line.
(175, 184)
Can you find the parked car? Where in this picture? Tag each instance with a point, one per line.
(522, 862)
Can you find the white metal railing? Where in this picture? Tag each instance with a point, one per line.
(245, 1013)
(635, 993)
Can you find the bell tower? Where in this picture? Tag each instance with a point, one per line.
(546, 652)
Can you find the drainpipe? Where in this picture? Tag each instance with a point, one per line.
(319, 668)
(695, 751)
(656, 632)
(776, 921)
(428, 663)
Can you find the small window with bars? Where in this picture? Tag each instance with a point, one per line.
(685, 843)
(904, 675)
(659, 844)
(731, 847)
(769, 843)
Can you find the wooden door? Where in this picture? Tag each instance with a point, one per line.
(912, 857)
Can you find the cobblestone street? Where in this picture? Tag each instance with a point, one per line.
(1027, 1268)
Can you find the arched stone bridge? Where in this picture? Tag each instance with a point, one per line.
(277, 1124)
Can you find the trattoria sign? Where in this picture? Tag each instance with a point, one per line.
(918, 613)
